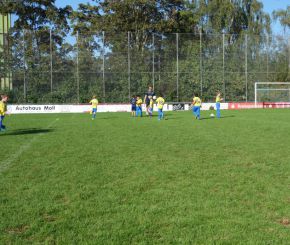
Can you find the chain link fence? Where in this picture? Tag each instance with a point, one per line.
(53, 67)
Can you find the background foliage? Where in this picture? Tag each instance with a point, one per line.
(117, 48)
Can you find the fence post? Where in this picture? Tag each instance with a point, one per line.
(50, 49)
(153, 61)
(289, 56)
(24, 69)
(104, 85)
(267, 38)
(224, 82)
(177, 68)
(129, 67)
(246, 65)
(255, 94)
(200, 62)
(78, 78)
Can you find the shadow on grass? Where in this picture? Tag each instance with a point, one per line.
(106, 118)
(222, 117)
(26, 131)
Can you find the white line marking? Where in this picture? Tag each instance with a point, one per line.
(4, 165)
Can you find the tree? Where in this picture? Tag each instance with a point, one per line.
(31, 33)
(283, 16)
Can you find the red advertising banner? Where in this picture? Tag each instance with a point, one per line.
(260, 105)
(244, 105)
(276, 105)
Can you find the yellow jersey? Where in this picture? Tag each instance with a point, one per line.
(218, 99)
(3, 108)
(151, 103)
(94, 103)
(160, 102)
(139, 102)
(196, 101)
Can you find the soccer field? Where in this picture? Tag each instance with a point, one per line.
(66, 179)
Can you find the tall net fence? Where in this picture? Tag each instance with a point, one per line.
(52, 67)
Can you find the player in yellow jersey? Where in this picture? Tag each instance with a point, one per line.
(150, 107)
(3, 109)
(196, 103)
(94, 102)
(218, 100)
(139, 106)
(160, 103)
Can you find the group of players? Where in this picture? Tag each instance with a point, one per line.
(149, 99)
(136, 106)
(196, 105)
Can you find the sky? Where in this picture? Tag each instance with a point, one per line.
(269, 7)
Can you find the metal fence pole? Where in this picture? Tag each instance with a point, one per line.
(289, 55)
(267, 40)
(24, 68)
(246, 66)
(129, 67)
(255, 94)
(200, 62)
(104, 85)
(177, 68)
(224, 82)
(50, 49)
(153, 61)
(78, 78)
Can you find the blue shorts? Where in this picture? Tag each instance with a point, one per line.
(94, 110)
(133, 108)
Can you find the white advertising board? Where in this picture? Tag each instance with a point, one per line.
(30, 109)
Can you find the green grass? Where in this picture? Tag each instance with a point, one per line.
(66, 179)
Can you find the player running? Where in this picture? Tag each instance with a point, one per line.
(160, 103)
(94, 102)
(196, 103)
(218, 100)
(3, 109)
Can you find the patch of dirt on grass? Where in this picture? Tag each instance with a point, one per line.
(49, 218)
(18, 229)
(284, 221)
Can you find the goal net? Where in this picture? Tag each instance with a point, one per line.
(272, 94)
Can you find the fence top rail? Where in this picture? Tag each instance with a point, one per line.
(273, 83)
(273, 89)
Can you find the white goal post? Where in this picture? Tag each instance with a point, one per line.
(277, 92)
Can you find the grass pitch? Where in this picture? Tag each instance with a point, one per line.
(66, 179)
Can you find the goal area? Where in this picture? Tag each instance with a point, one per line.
(272, 94)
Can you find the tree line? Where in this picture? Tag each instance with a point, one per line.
(117, 48)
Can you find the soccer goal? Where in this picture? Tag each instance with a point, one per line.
(272, 94)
